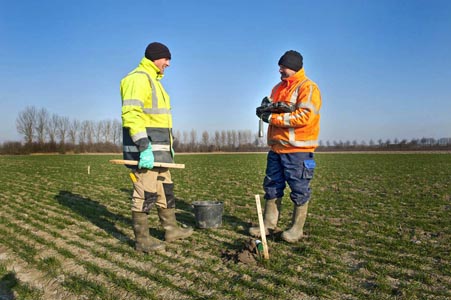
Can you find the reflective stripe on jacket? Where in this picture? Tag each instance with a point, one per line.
(146, 112)
(296, 131)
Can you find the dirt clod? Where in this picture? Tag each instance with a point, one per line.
(246, 253)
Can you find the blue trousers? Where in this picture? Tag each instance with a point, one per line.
(296, 169)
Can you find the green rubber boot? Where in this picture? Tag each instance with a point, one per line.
(143, 241)
(271, 217)
(296, 232)
(172, 230)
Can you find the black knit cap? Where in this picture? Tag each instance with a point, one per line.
(156, 51)
(292, 60)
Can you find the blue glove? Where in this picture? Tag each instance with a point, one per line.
(146, 158)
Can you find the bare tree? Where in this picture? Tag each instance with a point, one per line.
(106, 130)
(178, 136)
(205, 138)
(98, 131)
(185, 137)
(40, 126)
(90, 132)
(63, 127)
(229, 139)
(74, 126)
(247, 136)
(241, 138)
(85, 134)
(117, 132)
(193, 141)
(234, 138)
(223, 138)
(414, 141)
(176, 141)
(51, 127)
(25, 123)
(217, 140)
(193, 137)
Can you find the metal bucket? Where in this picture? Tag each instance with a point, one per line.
(208, 213)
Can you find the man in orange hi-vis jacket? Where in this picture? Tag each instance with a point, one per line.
(292, 113)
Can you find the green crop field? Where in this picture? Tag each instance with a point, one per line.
(379, 227)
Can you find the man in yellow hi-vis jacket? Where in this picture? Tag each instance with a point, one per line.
(147, 137)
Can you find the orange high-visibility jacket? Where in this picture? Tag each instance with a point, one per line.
(296, 131)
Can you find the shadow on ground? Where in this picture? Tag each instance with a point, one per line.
(7, 283)
(185, 215)
(96, 213)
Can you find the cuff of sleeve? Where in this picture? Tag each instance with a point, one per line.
(142, 144)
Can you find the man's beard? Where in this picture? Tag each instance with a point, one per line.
(283, 75)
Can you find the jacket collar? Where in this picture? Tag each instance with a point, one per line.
(295, 78)
(150, 68)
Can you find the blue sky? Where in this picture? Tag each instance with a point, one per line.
(383, 67)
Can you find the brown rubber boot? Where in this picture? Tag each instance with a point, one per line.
(144, 242)
(169, 223)
(271, 217)
(296, 232)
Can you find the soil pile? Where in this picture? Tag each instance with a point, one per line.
(248, 253)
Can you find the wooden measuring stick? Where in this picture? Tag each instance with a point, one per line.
(156, 164)
(262, 227)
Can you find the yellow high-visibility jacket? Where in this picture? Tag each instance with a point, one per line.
(296, 131)
(146, 112)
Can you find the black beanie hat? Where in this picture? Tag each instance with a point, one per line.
(156, 51)
(292, 60)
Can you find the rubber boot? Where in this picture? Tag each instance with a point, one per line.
(296, 232)
(169, 223)
(271, 217)
(144, 242)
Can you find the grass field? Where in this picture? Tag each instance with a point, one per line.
(379, 227)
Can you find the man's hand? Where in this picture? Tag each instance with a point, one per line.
(264, 107)
(266, 117)
(266, 101)
(267, 107)
(260, 110)
(146, 158)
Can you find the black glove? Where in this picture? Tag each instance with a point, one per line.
(266, 101)
(265, 117)
(282, 107)
(260, 110)
(264, 107)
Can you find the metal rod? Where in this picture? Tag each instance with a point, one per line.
(260, 128)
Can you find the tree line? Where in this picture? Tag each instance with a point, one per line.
(415, 144)
(46, 132)
(43, 131)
